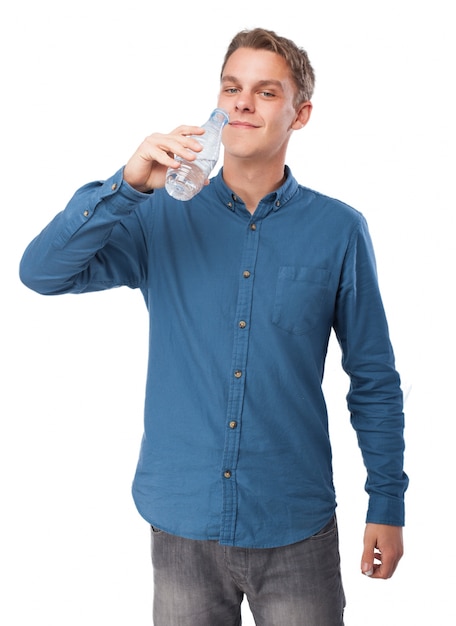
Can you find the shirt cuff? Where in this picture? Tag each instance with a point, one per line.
(384, 510)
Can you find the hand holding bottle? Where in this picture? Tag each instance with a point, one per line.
(146, 169)
(188, 180)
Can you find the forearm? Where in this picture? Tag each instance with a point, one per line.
(67, 256)
(382, 446)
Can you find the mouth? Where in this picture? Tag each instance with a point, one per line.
(239, 124)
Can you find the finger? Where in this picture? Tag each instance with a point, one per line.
(164, 148)
(186, 130)
(184, 147)
(367, 569)
(384, 566)
(367, 559)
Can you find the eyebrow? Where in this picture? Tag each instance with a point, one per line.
(260, 83)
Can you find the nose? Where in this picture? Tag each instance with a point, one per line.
(244, 102)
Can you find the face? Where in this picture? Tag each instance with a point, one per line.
(258, 92)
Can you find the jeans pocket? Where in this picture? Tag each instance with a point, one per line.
(329, 529)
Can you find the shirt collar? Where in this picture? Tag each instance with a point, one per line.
(273, 201)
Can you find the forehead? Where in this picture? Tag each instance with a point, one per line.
(248, 64)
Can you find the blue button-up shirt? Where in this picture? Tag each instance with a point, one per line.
(236, 445)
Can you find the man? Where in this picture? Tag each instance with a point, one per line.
(244, 284)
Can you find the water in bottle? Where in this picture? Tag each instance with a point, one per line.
(186, 181)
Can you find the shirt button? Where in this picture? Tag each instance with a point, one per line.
(227, 474)
(246, 274)
(86, 213)
(242, 324)
(252, 226)
(114, 186)
(233, 425)
(237, 374)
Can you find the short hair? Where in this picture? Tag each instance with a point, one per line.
(297, 59)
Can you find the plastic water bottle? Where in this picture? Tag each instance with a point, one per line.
(186, 181)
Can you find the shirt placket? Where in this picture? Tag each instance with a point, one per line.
(238, 381)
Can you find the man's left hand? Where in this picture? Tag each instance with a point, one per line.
(383, 549)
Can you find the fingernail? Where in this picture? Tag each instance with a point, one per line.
(369, 572)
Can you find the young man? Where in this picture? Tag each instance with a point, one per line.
(244, 284)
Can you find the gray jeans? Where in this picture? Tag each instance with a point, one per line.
(201, 583)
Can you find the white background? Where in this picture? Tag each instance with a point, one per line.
(82, 84)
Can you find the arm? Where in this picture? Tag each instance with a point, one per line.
(98, 242)
(374, 400)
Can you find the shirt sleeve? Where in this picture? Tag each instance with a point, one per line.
(375, 398)
(96, 243)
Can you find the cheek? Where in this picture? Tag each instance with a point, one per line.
(223, 102)
(281, 127)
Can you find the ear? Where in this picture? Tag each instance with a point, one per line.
(302, 115)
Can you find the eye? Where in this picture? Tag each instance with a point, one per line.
(231, 90)
(268, 94)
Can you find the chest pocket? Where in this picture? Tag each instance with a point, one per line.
(299, 298)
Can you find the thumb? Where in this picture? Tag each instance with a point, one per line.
(367, 560)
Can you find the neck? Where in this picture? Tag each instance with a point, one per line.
(252, 182)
